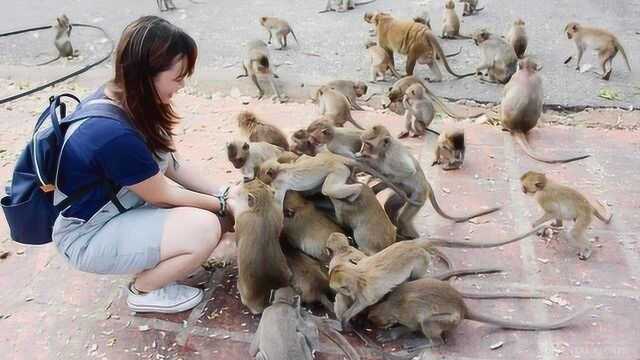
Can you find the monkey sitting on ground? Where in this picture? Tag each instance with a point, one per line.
(450, 150)
(343, 5)
(335, 106)
(517, 37)
(62, 41)
(351, 89)
(497, 57)
(249, 156)
(601, 40)
(451, 22)
(435, 308)
(470, 7)
(341, 141)
(380, 62)
(561, 202)
(280, 27)
(257, 130)
(420, 112)
(257, 63)
(309, 278)
(301, 144)
(258, 226)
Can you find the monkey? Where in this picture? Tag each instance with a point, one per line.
(497, 57)
(62, 41)
(249, 156)
(258, 223)
(283, 333)
(561, 202)
(257, 130)
(414, 40)
(351, 89)
(309, 278)
(301, 144)
(450, 150)
(281, 29)
(423, 19)
(435, 308)
(166, 5)
(419, 112)
(307, 228)
(257, 63)
(339, 251)
(517, 38)
(521, 108)
(470, 7)
(380, 62)
(388, 156)
(451, 22)
(343, 5)
(601, 40)
(341, 141)
(335, 106)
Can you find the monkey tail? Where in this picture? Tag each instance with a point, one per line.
(363, 3)
(294, 36)
(624, 54)
(368, 169)
(601, 211)
(455, 53)
(522, 325)
(433, 131)
(461, 272)
(47, 62)
(521, 138)
(431, 39)
(481, 245)
(436, 207)
(352, 120)
(479, 9)
(338, 339)
(437, 252)
(372, 95)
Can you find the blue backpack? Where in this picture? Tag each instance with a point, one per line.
(29, 205)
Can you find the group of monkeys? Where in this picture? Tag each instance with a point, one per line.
(326, 216)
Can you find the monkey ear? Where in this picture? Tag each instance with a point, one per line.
(251, 200)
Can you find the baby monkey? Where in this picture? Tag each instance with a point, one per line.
(420, 112)
(497, 57)
(257, 63)
(470, 7)
(561, 202)
(280, 27)
(450, 150)
(62, 41)
(380, 62)
(451, 22)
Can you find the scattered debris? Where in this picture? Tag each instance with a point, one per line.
(497, 345)
(544, 261)
(144, 328)
(609, 94)
(4, 254)
(20, 252)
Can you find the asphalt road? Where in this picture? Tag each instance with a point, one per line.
(221, 29)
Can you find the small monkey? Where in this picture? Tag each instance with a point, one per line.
(521, 107)
(451, 22)
(249, 156)
(351, 89)
(450, 150)
(497, 57)
(601, 40)
(258, 223)
(301, 144)
(561, 202)
(257, 130)
(62, 41)
(470, 7)
(335, 106)
(309, 278)
(257, 63)
(343, 5)
(435, 308)
(517, 37)
(380, 62)
(419, 112)
(280, 27)
(341, 141)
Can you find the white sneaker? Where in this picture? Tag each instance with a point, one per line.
(173, 298)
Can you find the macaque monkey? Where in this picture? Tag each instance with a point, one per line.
(450, 150)
(419, 112)
(343, 5)
(62, 41)
(257, 63)
(521, 107)
(280, 27)
(601, 40)
(561, 202)
(414, 40)
(380, 62)
(341, 141)
(335, 106)
(435, 308)
(249, 156)
(258, 225)
(301, 144)
(340, 252)
(307, 228)
(497, 57)
(423, 19)
(517, 37)
(257, 130)
(470, 7)
(388, 156)
(351, 89)
(451, 22)
(309, 278)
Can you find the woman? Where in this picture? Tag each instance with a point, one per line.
(152, 228)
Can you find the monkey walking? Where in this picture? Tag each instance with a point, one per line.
(280, 28)
(257, 63)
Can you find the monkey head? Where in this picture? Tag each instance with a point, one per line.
(293, 203)
(533, 182)
(480, 36)
(250, 196)
(285, 295)
(263, 19)
(246, 120)
(518, 22)
(368, 17)
(344, 279)
(301, 143)
(529, 65)
(451, 147)
(269, 171)
(571, 29)
(449, 4)
(375, 142)
(415, 91)
(381, 315)
(377, 17)
(360, 88)
(320, 131)
(238, 153)
(337, 243)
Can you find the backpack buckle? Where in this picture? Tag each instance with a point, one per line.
(47, 188)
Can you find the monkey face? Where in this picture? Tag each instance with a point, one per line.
(360, 88)
(415, 91)
(237, 153)
(302, 144)
(374, 143)
(533, 182)
(449, 4)
(263, 20)
(480, 36)
(268, 172)
(340, 280)
(293, 203)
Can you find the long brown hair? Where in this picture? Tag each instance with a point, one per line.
(148, 46)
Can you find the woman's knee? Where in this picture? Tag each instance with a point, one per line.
(198, 230)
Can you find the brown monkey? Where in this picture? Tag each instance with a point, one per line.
(257, 63)
(388, 156)
(451, 22)
(257, 130)
(414, 40)
(450, 150)
(334, 105)
(249, 156)
(258, 225)
(62, 41)
(351, 89)
(497, 57)
(341, 141)
(309, 278)
(307, 228)
(301, 144)
(561, 202)
(419, 112)
(602, 40)
(280, 27)
(340, 252)
(470, 7)
(380, 62)
(521, 107)
(435, 308)
(343, 5)
(517, 38)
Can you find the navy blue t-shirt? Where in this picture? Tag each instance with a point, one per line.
(102, 148)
